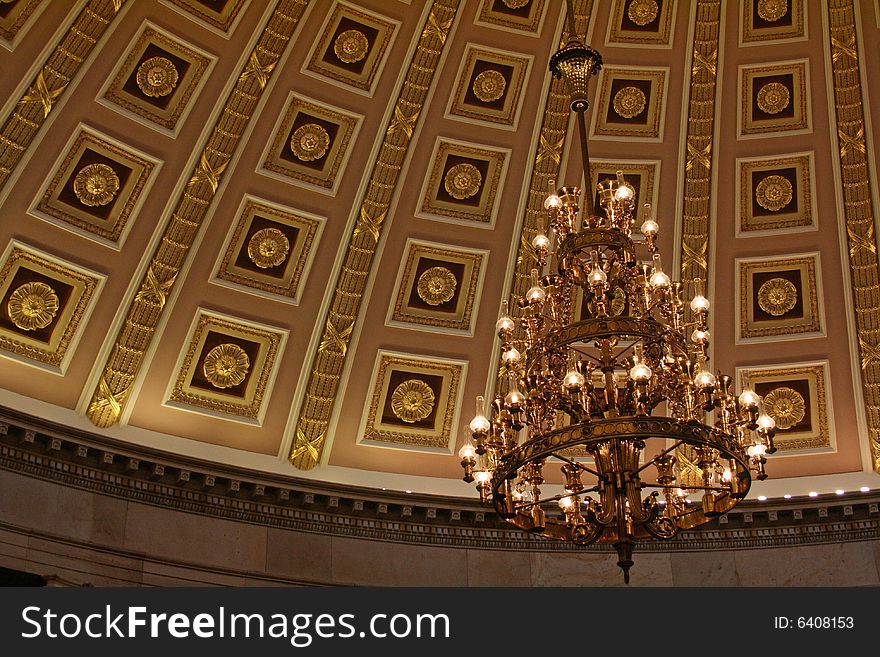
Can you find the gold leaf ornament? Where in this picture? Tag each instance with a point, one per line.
(489, 85)
(773, 97)
(785, 406)
(268, 247)
(32, 306)
(777, 296)
(436, 285)
(412, 400)
(96, 184)
(515, 4)
(351, 46)
(629, 102)
(773, 193)
(642, 12)
(309, 142)
(462, 181)
(156, 77)
(772, 10)
(226, 365)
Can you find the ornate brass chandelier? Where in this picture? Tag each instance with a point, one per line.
(615, 394)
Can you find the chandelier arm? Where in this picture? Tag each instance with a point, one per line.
(576, 464)
(661, 454)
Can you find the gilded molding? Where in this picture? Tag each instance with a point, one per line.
(857, 210)
(26, 118)
(143, 314)
(351, 280)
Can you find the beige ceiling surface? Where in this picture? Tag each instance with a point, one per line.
(302, 216)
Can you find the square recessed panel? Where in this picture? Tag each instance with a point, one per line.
(779, 299)
(516, 15)
(414, 402)
(641, 23)
(798, 397)
(96, 187)
(776, 195)
(45, 303)
(489, 87)
(352, 47)
(630, 103)
(764, 21)
(13, 16)
(438, 288)
(228, 367)
(311, 144)
(464, 183)
(642, 175)
(221, 15)
(774, 99)
(269, 249)
(158, 79)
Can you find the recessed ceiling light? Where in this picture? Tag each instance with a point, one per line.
(839, 491)
(787, 496)
(814, 493)
(409, 491)
(762, 498)
(865, 489)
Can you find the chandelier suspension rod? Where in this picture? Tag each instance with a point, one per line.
(585, 156)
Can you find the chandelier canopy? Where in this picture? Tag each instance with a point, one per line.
(617, 393)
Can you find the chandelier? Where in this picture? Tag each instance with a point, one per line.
(617, 395)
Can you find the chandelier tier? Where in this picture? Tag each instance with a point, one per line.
(614, 394)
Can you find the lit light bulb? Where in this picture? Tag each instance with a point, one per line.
(480, 424)
(505, 324)
(511, 356)
(467, 451)
(749, 398)
(482, 476)
(659, 279)
(541, 242)
(727, 475)
(552, 201)
(700, 336)
(624, 192)
(640, 373)
(680, 492)
(536, 294)
(514, 399)
(766, 422)
(597, 276)
(756, 450)
(699, 304)
(705, 380)
(650, 228)
(566, 503)
(574, 380)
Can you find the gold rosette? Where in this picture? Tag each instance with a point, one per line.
(777, 296)
(515, 4)
(309, 142)
(226, 365)
(629, 102)
(351, 46)
(642, 12)
(773, 97)
(268, 247)
(772, 10)
(156, 77)
(489, 85)
(436, 285)
(773, 193)
(96, 184)
(785, 406)
(412, 400)
(462, 181)
(32, 306)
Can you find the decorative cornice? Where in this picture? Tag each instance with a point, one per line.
(71, 457)
(857, 210)
(327, 362)
(27, 117)
(146, 308)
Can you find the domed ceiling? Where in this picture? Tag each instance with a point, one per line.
(276, 234)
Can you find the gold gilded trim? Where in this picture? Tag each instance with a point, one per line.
(142, 316)
(857, 210)
(26, 118)
(351, 280)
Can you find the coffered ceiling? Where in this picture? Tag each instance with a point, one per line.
(277, 234)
